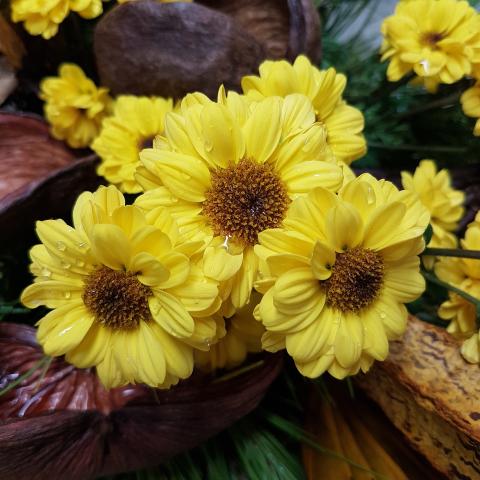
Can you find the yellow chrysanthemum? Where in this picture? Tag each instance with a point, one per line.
(160, 1)
(237, 336)
(464, 274)
(228, 170)
(74, 106)
(343, 123)
(133, 126)
(42, 17)
(470, 100)
(338, 275)
(444, 203)
(124, 293)
(437, 39)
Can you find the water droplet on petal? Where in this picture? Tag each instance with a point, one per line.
(67, 294)
(208, 146)
(383, 315)
(61, 246)
(45, 272)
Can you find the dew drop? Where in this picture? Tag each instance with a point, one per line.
(383, 315)
(65, 264)
(208, 146)
(67, 294)
(45, 272)
(61, 246)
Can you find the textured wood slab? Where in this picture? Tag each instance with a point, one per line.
(433, 396)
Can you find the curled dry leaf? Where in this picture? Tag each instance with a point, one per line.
(39, 176)
(65, 425)
(148, 48)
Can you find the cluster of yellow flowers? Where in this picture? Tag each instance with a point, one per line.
(251, 232)
(437, 40)
(464, 274)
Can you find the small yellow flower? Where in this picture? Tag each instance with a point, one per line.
(436, 39)
(42, 17)
(464, 274)
(343, 123)
(160, 1)
(238, 336)
(124, 294)
(338, 274)
(228, 170)
(74, 106)
(133, 126)
(470, 101)
(444, 203)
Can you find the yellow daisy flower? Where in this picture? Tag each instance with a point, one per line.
(74, 106)
(238, 336)
(124, 294)
(228, 170)
(464, 274)
(343, 123)
(338, 274)
(436, 39)
(43, 17)
(444, 203)
(470, 101)
(134, 124)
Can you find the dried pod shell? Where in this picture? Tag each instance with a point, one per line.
(148, 48)
(62, 424)
(39, 176)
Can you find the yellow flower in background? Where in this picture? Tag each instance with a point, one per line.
(160, 1)
(444, 203)
(470, 101)
(124, 294)
(238, 336)
(436, 39)
(74, 106)
(42, 17)
(343, 123)
(464, 274)
(134, 124)
(228, 170)
(338, 274)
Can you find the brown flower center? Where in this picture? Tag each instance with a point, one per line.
(356, 280)
(116, 299)
(431, 39)
(244, 200)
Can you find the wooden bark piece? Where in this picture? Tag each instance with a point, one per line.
(62, 424)
(433, 396)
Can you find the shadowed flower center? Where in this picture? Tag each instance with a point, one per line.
(244, 200)
(356, 279)
(431, 39)
(116, 299)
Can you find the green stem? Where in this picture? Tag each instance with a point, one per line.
(27, 374)
(432, 278)
(448, 101)
(452, 252)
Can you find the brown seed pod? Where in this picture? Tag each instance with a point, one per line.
(39, 176)
(62, 424)
(148, 48)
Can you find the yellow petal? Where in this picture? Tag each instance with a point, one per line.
(91, 351)
(110, 246)
(349, 340)
(323, 259)
(149, 270)
(171, 315)
(219, 264)
(344, 227)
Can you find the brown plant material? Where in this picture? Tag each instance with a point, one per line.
(11, 53)
(148, 48)
(62, 424)
(431, 394)
(39, 176)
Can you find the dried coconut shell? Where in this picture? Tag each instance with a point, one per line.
(62, 424)
(149, 48)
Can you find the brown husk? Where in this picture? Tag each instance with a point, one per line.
(65, 425)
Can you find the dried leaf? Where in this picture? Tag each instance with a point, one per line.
(66, 425)
(39, 176)
(10, 44)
